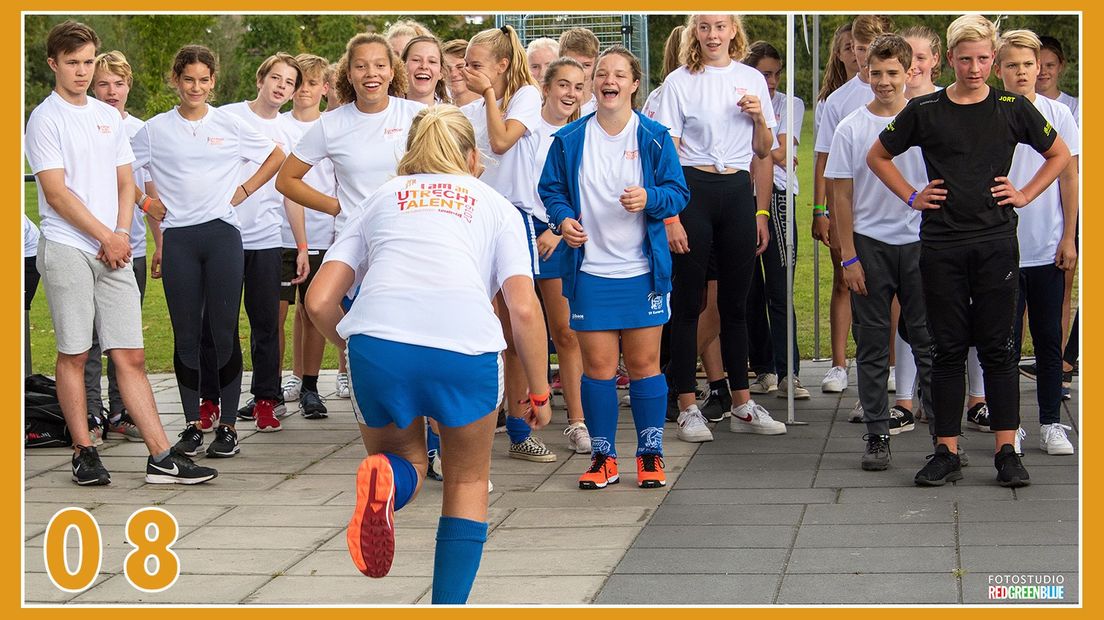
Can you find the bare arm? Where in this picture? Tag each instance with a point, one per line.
(324, 298)
(290, 183)
(1068, 183)
(263, 175)
(73, 211)
(762, 174)
(298, 221)
(821, 192)
(844, 215)
(527, 323)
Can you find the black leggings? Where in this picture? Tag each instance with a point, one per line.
(202, 275)
(30, 285)
(719, 218)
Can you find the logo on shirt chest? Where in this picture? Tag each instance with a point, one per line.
(392, 133)
(632, 154)
(215, 141)
(104, 128)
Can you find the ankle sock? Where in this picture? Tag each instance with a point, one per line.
(310, 383)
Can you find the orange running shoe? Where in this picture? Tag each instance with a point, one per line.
(603, 471)
(371, 533)
(649, 471)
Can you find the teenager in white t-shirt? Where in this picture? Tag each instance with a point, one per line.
(454, 51)
(79, 153)
(671, 50)
(434, 232)
(540, 53)
(111, 84)
(582, 46)
(879, 237)
(562, 89)
(504, 120)
(369, 77)
(30, 285)
(261, 216)
(715, 108)
(608, 183)
(849, 97)
(767, 338)
(204, 261)
(306, 234)
(424, 63)
(1046, 230)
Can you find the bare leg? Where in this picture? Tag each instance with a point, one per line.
(134, 387)
(567, 346)
(72, 397)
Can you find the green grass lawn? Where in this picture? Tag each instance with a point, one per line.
(158, 333)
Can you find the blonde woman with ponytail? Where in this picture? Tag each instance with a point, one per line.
(434, 232)
(504, 119)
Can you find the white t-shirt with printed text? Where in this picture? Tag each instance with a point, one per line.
(89, 143)
(425, 239)
(365, 149)
(876, 212)
(610, 164)
(702, 110)
(196, 165)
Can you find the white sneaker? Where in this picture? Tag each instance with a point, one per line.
(292, 389)
(1053, 440)
(343, 385)
(578, 438)
(799, 391)
(751, 418)
(692, 427)
(1021, 434)
(835, 380)
(856, 415)
(891, 384)
(764, 383)
(626, 401)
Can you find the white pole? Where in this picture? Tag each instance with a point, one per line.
(789, 242)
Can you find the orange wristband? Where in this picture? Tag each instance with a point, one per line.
(146, 204)
(539, 400)
(301, 246)
(672, 220)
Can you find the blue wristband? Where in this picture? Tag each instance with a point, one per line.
(848, 263)
(911, 198)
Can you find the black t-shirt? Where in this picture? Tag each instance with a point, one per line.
(968, 146)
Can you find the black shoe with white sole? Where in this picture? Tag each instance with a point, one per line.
(191, 440)
(225, 444)
(88, 470)
(1010, 470)
(177, 469)
(311, 407)
(943, 466)
(900, 420)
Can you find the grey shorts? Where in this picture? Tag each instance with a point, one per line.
(83, 293)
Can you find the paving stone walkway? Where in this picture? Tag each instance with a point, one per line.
(744, 520)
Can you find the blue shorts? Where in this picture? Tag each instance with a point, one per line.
(605, 304)
(551, 269)
(531, 239)
(393, 382)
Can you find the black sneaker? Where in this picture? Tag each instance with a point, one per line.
(177, 469)
(88, 470)
(942, 467)
(900, 420)
(311, 407)
(978, 418)
(1029, 370)
(246, 410)
(962, 456)
(1010, 470)
(877, 455)
(716, 405)
(225, 444)
(191, 440)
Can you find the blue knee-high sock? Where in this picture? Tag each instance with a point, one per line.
(600, 413)
(456, 559)
(405, 477)
(433, 441)
(649, 410)
(517, 429)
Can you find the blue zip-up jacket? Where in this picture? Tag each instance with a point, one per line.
(662, 179)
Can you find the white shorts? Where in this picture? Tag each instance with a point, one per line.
(84, 293)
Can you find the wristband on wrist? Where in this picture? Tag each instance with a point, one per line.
(247, 193)
(819, 208)
(301, 246)
(122, 231)
(145, 204)
(849, 262)
(672, 220)
(911, 198)
(539, 400)
(762, 212)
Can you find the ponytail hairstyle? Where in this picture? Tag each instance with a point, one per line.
(550, 76)
(345, 91)
(835, 72)
(440, 91)
(929, 35)
(760, 50)
(691, 53)
(634, 66)
(504, 43)
(439, 142)
(672, 49)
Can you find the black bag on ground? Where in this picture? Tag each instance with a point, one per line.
(43, 424)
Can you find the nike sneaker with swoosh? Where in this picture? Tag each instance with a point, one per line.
(177, 469)
(752, 418)
(88, 470)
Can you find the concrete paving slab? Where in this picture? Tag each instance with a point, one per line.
(1020, 558)
(889, 558)
(333, 590)
(688, 590)
(869, 589)
(742, 561)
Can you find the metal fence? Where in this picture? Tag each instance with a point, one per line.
(628, 30)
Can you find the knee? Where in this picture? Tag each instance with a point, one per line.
(129, 359)
(76, 360)
(564, 338)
